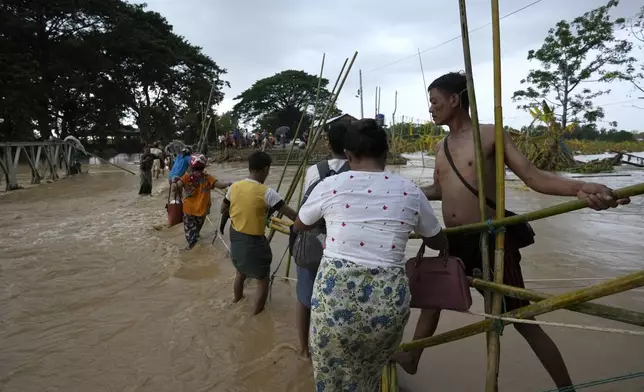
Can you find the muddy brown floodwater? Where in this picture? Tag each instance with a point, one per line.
(96, 295)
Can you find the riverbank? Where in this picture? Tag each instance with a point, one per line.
(97, 295)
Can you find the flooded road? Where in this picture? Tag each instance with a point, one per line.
(96, 295)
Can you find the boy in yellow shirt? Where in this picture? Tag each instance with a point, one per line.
(249, 203)
(196, 199)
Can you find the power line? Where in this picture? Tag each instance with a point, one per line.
(455, 38)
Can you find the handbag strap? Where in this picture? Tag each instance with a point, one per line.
(448, 155)
(421, 254)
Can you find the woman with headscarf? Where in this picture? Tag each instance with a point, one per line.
(360, 302)
(197, 202)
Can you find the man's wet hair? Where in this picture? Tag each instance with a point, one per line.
(366, 139)
(453, 83)
(336, 134)
(258, 161)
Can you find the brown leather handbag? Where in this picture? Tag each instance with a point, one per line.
(438, 282)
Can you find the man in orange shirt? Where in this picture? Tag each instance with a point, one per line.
(196, 202)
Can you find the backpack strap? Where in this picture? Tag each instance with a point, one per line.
(323, 169)
(345, 167)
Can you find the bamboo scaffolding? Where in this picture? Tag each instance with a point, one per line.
(565, 300)
(299, 125)
(317, 131)
(321, 124)
(334, 97)
(603, 311)
(493, 342)
(480, 170)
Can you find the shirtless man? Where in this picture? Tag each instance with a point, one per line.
(450, 106)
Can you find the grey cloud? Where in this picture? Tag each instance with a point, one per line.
(255, 39)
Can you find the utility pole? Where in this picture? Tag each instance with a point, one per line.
(375, 105)
(361, 101)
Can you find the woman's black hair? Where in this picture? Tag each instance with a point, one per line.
(453, 83)
(336, 134)
(366, 139)
(259, 160)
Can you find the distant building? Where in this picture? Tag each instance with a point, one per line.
(342, 118)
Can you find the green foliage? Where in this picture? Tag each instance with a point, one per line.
(407, 130)
(590, 132)
(280, 100)
(225, 123)
(83, 68)
(635, 28)
(583, 50)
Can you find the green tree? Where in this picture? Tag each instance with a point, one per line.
(70, 67)
(280, 100)
(583, 50)
(635, 28)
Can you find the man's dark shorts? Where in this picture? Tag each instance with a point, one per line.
(467, 248)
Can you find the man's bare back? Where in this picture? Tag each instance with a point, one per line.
(460, 206)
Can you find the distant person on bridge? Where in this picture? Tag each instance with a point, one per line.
(455, 185)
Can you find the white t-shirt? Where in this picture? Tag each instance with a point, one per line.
(313, 174)
(369, 216)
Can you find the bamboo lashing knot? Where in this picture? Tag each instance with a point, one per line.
(492, 229)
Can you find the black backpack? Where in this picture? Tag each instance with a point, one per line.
(307, 247)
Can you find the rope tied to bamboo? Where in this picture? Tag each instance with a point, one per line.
(492, 229)
(515, 320)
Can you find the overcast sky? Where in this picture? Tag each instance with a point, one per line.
(254, 39)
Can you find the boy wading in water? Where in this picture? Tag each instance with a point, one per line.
(196, 203)
(450, 106)
(249, 202)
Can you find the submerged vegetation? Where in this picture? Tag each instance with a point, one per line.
(544, 142)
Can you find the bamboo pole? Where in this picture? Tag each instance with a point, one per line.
(480, 170)
(603, 311)
(565, 300)
(494, 346)
(480, 179)
(393, 377)
(558, 209)
(385, 379)
(315, 106)
(299, 203)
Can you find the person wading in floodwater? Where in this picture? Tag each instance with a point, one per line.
(249, 203)
(197, 201)
(452, 183)
(145, 166)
